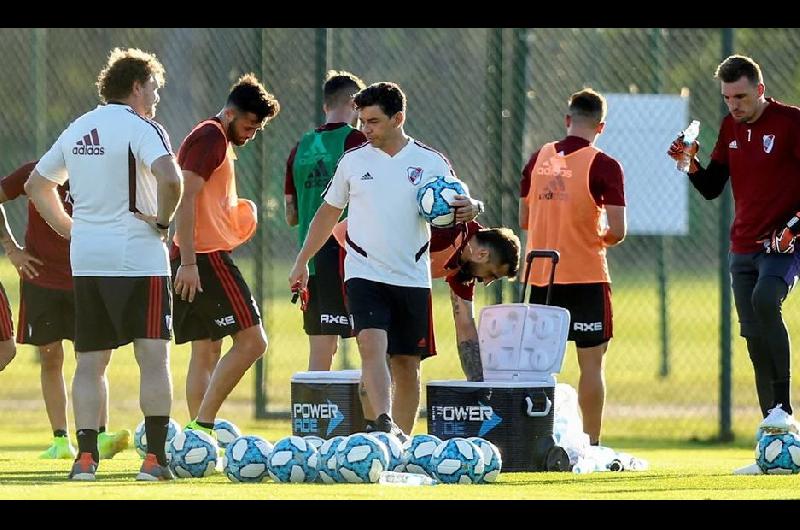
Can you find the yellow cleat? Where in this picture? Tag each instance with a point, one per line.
(60, 450)
(111, 443)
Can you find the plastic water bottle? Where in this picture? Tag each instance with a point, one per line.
(397, 478)
(690, 135)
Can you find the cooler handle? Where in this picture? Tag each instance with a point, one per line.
(554, 257)
(538, 414)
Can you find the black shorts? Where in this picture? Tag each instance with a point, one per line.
(403, 312)
(6, 323)
(326, 313)
(45, 315)
(225, 306)
(115, 311)
(589, 306)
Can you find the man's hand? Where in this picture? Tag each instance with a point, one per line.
(153, 222)
(678, 148)
(298, 277)
(781, 240)
(187, 282)
(302, 294)
(24, 262)
(467, 208)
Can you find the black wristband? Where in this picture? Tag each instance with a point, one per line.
(162, 227)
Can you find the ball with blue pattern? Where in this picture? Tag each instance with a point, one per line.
(395, 448)
(417, 454)
(140, 437)
(226, 432)
(457, 461)
(434, 199)
(779, 454)
(492, 460)
(246, 459)
(193, 453)
(293, 460)
(314, 440)
(327, 466)
(361, 458)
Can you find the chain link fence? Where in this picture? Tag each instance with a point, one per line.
(487, 98)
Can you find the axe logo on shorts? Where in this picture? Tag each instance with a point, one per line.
(225, 321)
(587, 326)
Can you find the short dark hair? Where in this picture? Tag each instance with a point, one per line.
(588, 105)
(388, 96)
(504, 244)
(249, 95)
(340, 86)
(734, 67)
(124, 66)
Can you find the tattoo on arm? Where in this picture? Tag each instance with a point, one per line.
(469, 352)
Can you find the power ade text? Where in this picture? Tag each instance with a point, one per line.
(307, 415)
(454, 418)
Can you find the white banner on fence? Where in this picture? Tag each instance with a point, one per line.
(639, 129)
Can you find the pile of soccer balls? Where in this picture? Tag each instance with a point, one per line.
(362, 457)
(358, 458)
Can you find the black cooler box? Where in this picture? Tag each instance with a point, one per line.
(326, 404)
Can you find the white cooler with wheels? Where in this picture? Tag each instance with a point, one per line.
(522, 348)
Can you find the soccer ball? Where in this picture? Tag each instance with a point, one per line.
(246, 459)
(326, 461)
(417, 453)
(193, 453)
(361, 458)
(140, 437)
(434, 199)
(457, 461)
(293, 460)
(779, 454)
(314, 440)
(492, 461)
(395, 448)
(226, 432)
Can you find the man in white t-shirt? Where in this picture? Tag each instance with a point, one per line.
(387, 268)
(126, 186)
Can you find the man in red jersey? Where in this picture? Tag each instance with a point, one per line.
(47, 313)
(758, 148)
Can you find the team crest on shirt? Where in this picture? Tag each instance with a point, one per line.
(414, 175)
(769, 142)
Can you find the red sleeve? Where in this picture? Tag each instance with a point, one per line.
(441, 238)
(203, 151)
(288, 184)
(354, 139)
(525, 184)
(606, 181)
(14, 183)
(720, 152)
(465, 291)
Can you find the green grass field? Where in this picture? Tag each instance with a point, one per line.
(678, 471)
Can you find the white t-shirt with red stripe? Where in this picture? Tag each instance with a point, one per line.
(387, 239)
(106, 154)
